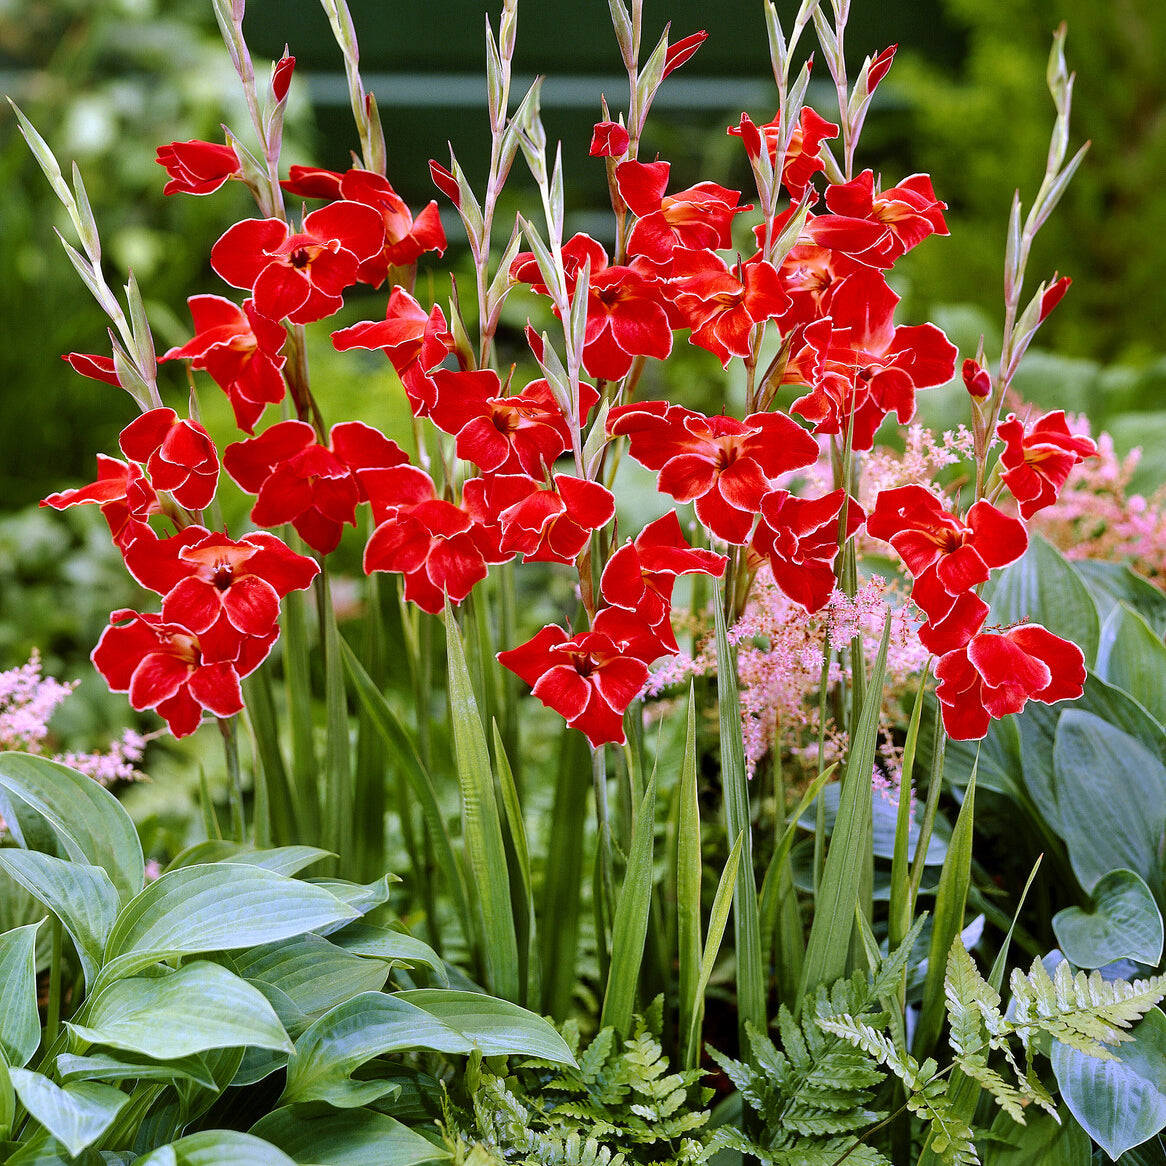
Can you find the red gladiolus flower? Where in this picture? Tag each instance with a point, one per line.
(422, 537)
(240, 349)
(1053, 295)
(584, 678)
(553, 526)
(609, 140)
(300, 276)
(722, 306)
(722, 464)
(927, 537)
(803, 155)
(799, 537)
(314, 487)
(640, 576)
(203, 575)
(96, 368)
(124, 495)
(197, 167)
(161, 666)
(909, 211)
(414, 342)
(178, 454)
(520, 434)
(405, 237)
(701, 216)
(857, 362)
(996, 674)
(625, 310)
(880, 65)
(1037, 458)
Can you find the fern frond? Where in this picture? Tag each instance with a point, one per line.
(1010, 1098)
(972, 1003)
(1085, 1012)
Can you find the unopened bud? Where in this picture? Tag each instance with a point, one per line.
(976, 379)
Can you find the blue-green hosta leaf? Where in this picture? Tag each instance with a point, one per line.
(89, 820)
(495, 1026)
(1042, 587)
(1114, 583)
(7, 1101)
(286, 860)
(884, 823)
(1132, 656)
(1123, 923)
(1119, 1103)
(385, 944)
(346, 1137)
(217, 1148)
(76, 1115)
(218, 907)
(128, 1067)
(351, 1034)
(312, 972)
(1111, 793)
(19, 1021)
(361, 897)
(82, 897)
(201, 1006)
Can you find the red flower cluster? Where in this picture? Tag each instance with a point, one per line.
(982, 674)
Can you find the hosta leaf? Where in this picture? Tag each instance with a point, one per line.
(76, 1115)
(201, 1006)
(385, 944)
(129, 1067)
(311, 972)
(495, 1026)
(19, 1021)
(82, 897)
(1122, 922)
(1119, 1103)
(217, 1148)
(89, 820)
(351, 1034)
(1111, 792)
(1132, 656)
(347, 1137)
(219, 907)
(1043, 588)
(286, 860)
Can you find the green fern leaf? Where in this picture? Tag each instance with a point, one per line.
(1085, 1012)
(1008, 1096)
(970, 998)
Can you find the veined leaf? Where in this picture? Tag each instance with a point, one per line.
(497, 1027)
(76, 1115)
(347, 1137)
(199, 1007)
(89, 820)
(1119, 1103)
(1123, 922)
(285, 860)
(132, 1067)
(1132, 656)
(19, 1021)
(217, 1148)
(352, 1033)
(312, 972)
(218, 907)
(82, 897)
(384, 944)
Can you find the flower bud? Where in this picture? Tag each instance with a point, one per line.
(976, 379)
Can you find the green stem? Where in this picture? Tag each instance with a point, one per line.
(227, 728)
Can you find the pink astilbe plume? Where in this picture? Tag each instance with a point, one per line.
(779, 667)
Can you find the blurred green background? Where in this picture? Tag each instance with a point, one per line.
(966, 101)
